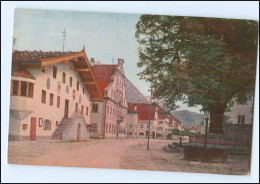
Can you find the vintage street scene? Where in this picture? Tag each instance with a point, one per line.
(128, 91)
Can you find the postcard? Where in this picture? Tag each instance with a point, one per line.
(129, 91)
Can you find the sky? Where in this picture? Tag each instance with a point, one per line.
(106, 36)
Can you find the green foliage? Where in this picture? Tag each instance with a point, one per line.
(227, 120)
(176, 131)
(199, 61)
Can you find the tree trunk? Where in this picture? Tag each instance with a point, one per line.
(216, 120)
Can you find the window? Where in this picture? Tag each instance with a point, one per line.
(43, 70)
(43, 96)
(40, 122)
(160, 122)
(106, 128)
(142, 134)
(58, 101)
(110, 110)
(24, 126)
(77, 85)
(130, 125)
(15, 87)
(241, 119)
(107, 109)
(57, 123)
(95, 108)
(47, 124)
(83, 90)
(82, 109)
(94, 127)
(70, 81)
(30, 90)
(76, 107)
(54, 72)
(23, 88)
(51, 99)
(87, 111)
(142, 125)
(64, 77)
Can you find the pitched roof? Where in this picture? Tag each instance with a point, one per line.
(38, 59)
(142, 110)
(133, 95)
(23, 73)
(35, 57)
(103, 74)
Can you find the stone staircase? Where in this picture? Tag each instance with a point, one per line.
(57, 134)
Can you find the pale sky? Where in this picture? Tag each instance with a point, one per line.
(105, 36)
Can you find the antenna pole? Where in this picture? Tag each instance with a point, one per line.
(64, 36)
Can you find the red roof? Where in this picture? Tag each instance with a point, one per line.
(142, 110)
(23, 73)
(103, 74)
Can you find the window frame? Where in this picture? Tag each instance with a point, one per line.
(58, 101)
(51, 99)
(71, 81)
(95, 110)
(54, 72)
(44, 100)
(40, 123)
(64, 77)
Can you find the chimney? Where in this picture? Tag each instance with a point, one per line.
(92, 61)
(120, 62)
(14, 39)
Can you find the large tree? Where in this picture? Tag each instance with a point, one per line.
(199, 61)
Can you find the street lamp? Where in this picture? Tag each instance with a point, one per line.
(206, 115)
(149, 122)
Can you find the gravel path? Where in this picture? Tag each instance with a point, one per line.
(115, 154)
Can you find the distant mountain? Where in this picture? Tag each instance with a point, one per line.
(188, 117)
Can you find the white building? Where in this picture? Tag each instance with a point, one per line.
(108, 118)
(239, 114)
(51, 94)
(138, 118)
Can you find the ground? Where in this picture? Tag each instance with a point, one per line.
(116, 154)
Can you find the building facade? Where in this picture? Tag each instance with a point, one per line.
(51, 95)
(138, 121)
(110, 117)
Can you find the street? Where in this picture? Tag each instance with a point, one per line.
(115, 154)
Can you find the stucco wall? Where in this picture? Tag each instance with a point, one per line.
(132, 119)
(241, 109)
(46, 111)
(98, 118)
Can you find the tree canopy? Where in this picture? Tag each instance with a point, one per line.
(200, 61)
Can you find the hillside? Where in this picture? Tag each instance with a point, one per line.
(188, 117)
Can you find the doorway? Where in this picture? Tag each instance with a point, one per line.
(66, 108)
(33, 129)
(78, 132)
